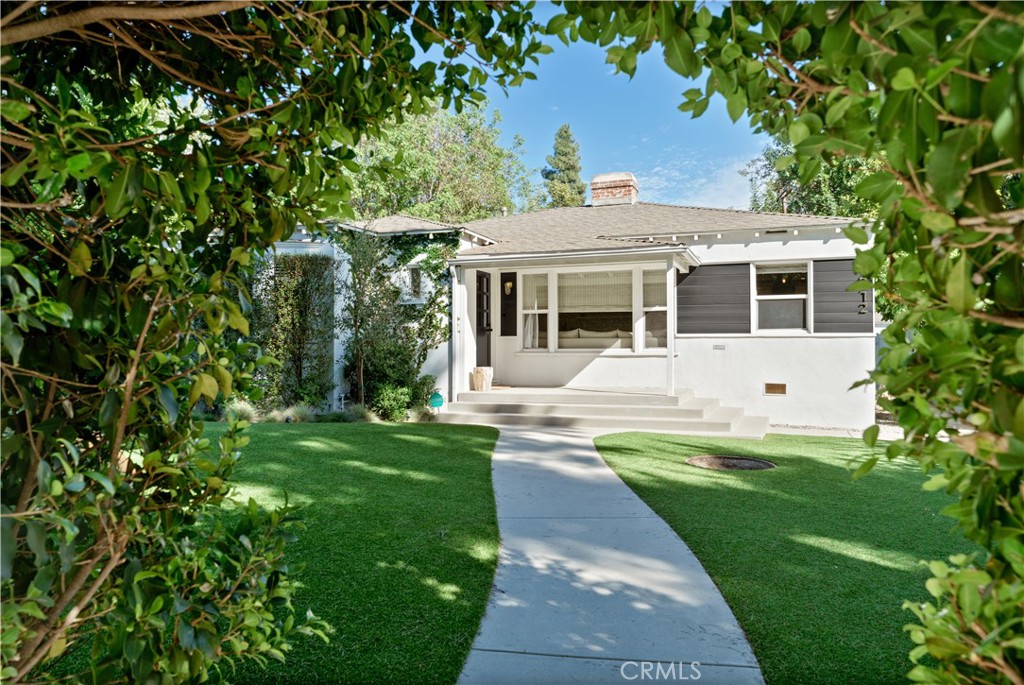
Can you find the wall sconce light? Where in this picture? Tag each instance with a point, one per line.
(508, 287)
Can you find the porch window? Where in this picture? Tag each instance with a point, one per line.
(535, 311)
(781, 296)
(595, 310)
(655, 310)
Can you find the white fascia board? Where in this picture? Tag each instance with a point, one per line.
(470, 260)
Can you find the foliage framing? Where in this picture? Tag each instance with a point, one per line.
(935, 91)
(293, 321)
(116, 240)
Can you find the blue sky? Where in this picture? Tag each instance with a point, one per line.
(631, 125)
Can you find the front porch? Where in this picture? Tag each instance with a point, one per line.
(626, 409)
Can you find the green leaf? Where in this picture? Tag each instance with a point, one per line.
(35, 535)
(938, 222)
(937, 73)
(79, 162)
(169, 401)
(798, 132)
(857, 234)
(959, 291)
(679, 55)
(871, 435)
(736, 104)
(114, 201)
(80, 259)
(878, 187)
(207, 386)
(7, 543)
(102, 480)
(949, 165)
(866, 467)
(905, 79)
(15, 110)
(6, 257)
(202, 208)
(801, 40)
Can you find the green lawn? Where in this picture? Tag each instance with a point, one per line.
(814, 564)
(400, 546)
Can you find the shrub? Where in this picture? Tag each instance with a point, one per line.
(300, 413)
(361, 413)
(297, 413)
(391, 402)
(423, 415)
(243, 410)
(421, 389)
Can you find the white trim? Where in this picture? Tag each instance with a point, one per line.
(482, 259)
(778, 333)
(755, 305)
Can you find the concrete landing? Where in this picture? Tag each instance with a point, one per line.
(591, 586)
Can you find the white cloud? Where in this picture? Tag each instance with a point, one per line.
(699, 180)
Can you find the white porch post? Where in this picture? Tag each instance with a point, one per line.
(670, 324)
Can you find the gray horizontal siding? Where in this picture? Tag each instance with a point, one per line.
(835, 309)
(714, 299)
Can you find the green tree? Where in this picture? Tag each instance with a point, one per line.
(562, 175)
(442, 166)
(938, 89)
(387, 335)
(833, 192)
(118, 236)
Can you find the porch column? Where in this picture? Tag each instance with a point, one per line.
(670, 325)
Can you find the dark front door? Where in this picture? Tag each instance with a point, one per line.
(483, 318)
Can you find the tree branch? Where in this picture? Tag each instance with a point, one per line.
(131, 12)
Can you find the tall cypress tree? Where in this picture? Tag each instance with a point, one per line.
(562, 175)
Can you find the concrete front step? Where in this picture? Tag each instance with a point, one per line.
(723, 421)
(697, 408)
(644, 398)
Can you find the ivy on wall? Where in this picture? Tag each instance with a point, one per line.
(293, 320)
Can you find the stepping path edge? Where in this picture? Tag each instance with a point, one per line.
(591, 584)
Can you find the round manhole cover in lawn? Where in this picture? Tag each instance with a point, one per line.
(719, 462)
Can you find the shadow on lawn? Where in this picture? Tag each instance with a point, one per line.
(399, 548)
(815, 564)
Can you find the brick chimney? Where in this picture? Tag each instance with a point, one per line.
(617, 188)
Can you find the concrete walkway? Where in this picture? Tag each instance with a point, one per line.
(592, 586)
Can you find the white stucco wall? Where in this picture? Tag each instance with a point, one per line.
(818, 373)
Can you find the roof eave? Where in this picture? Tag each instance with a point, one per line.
(569, 254)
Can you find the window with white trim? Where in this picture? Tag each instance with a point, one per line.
(535, 311)
(595, 310)
(781, 296)
(655, 310)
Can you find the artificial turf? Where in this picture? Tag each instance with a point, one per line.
(814, 564)
(399, 550)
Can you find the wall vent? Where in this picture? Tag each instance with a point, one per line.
(774, 388)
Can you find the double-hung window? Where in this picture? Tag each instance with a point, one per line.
(781, 295)
(655, 310)
(535, 311)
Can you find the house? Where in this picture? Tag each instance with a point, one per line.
(750, 308)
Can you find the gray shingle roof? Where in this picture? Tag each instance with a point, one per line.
(401, 223)
(614, 227)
